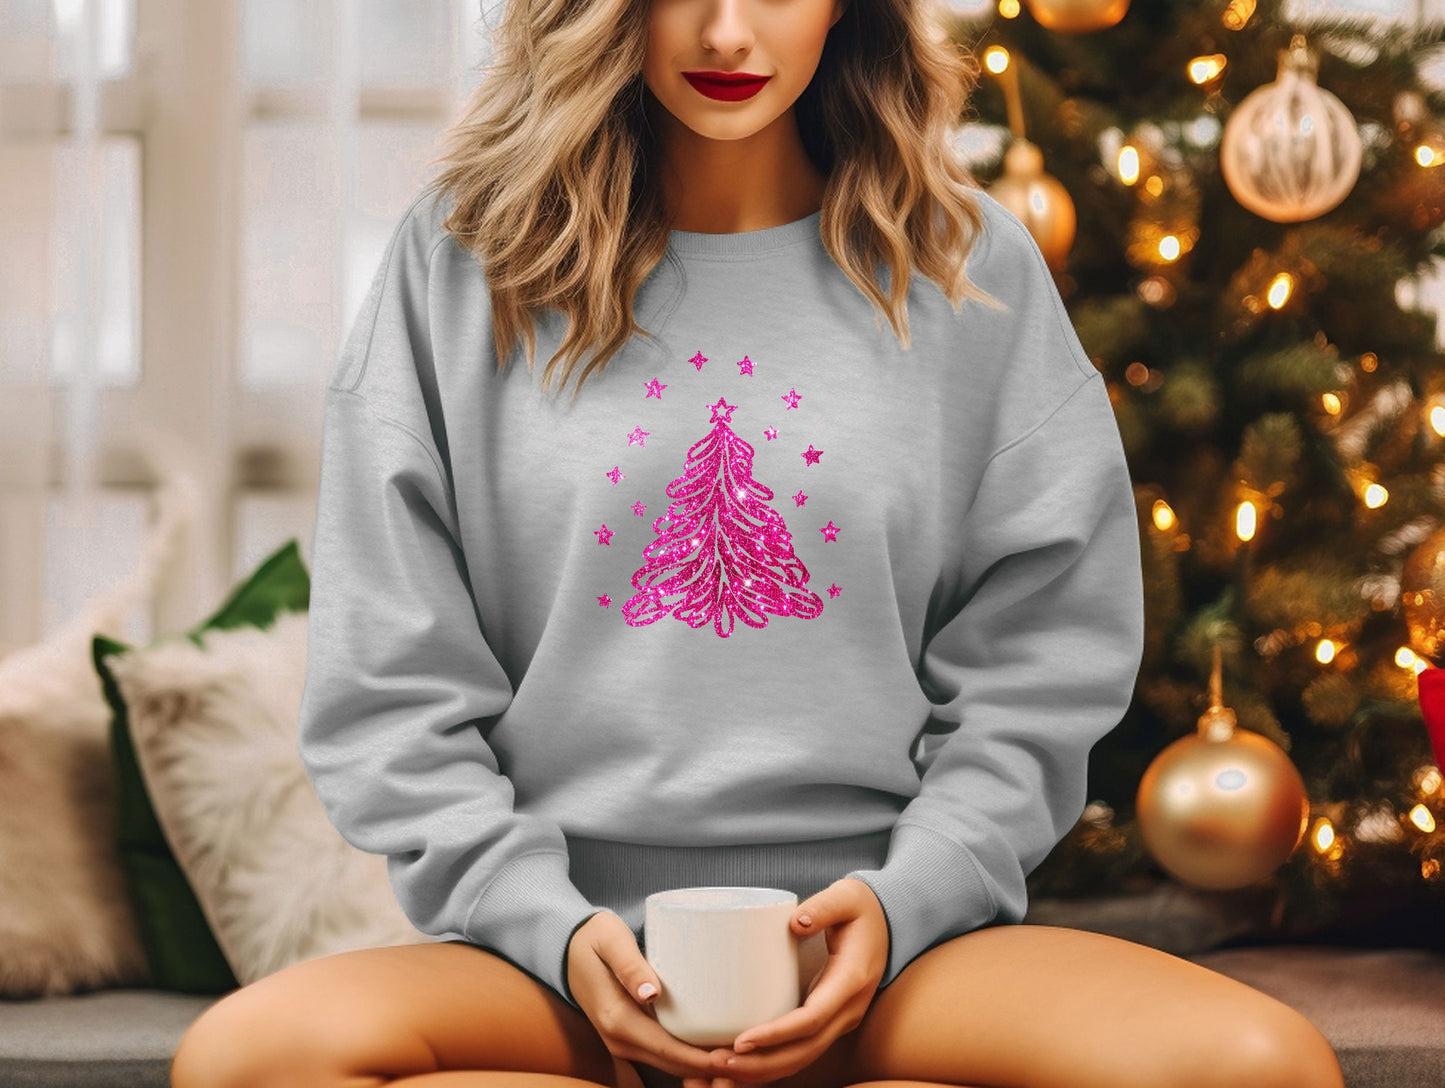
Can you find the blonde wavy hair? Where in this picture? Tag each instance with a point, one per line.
(550, 167)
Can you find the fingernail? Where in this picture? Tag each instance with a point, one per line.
(646, 990)
(732, 1061)
(742, 1048)
(805, 919)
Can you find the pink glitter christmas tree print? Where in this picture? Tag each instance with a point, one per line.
(725, 553)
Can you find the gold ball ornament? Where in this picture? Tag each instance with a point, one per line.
(1422, 595)
(1291, 150)
(1077, 16)
(1038, 199)
(1222, 808)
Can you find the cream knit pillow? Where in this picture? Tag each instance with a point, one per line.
(214, 729)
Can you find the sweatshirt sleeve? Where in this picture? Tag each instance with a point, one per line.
(1034, 660)
(401, 683)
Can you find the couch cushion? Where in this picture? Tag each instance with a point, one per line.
(120, 1038)
(1382, 1009)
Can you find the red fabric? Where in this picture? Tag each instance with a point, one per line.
(1432, 706)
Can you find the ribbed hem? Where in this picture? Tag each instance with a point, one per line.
(528, 913)
(931, 888)
(621, 875)
(748, 241)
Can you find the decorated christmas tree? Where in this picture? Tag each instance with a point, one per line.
(1239, 211)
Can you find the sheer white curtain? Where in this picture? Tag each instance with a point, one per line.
(193, 197)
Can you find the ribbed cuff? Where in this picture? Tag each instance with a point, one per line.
(528, 913)
(931, 888)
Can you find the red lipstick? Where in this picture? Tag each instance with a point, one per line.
(726, 86)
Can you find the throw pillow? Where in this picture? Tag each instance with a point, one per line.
(182, 952)
(213, 721)
(65, 922)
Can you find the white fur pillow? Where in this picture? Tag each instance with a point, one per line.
(66, 924)
(215, 734)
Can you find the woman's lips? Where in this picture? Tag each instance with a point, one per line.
(730, 90)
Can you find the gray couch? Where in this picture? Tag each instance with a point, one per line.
(1382, 1009)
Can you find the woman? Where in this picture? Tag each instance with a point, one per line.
(782, 599)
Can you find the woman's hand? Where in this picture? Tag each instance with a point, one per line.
(857, 932)
(605, 969)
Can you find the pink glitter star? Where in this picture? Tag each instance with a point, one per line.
(638, 508)
(745, 365)
(615, 474)
(637, 436)
(605, 600)
(811, 455)
(654, 389)
(698, 359)
(800, 498)
(829, 531)
(771, 433)
(792, 397)
(603, 535)
(722, 406)
(833, 590)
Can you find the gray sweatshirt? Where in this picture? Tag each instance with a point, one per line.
(774, 602)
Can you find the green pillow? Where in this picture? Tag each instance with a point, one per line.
(182, 951)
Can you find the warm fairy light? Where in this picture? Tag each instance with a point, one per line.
(1128, 164)
(1325, 651)
(1136, 373)
(1204, 69)
(1330, 403)
(1429, 779)
(1437, 419)
(1426, 155)
(1430, 868)
(1422, 818)
(1245, 520)
(1405, 657)
(1237, 14)
(1375, 496)
(1009, 9)
(1324, 835)
(1368, 361)
(1279, 290)
(1169, 247)
(995, 59)
(1164, 519)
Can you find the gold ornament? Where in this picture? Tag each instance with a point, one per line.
(1038, 199)
(1223, 807)
(1290, 150)
(1077, 16)
(1422, 595)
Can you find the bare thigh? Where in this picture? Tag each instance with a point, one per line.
(1033, 1006)
(372, 1015)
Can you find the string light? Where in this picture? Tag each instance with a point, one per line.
(1422, 818)
(1246, 519)
(1279, 291)
(1128, 164)
(1331, 403)
(1325, 651)
(1207, 68)
(1323, 836)
(1164, 518)
(1436, 415)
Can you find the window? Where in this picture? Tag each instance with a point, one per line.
(196, 197)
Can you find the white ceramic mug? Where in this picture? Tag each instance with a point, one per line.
(726, 957)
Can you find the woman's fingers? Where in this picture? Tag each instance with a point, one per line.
(663, 1050)
(834, 989)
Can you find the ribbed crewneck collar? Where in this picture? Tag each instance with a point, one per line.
(748, 241)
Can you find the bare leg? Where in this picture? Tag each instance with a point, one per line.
(1053, 1007)
(375, 1015)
